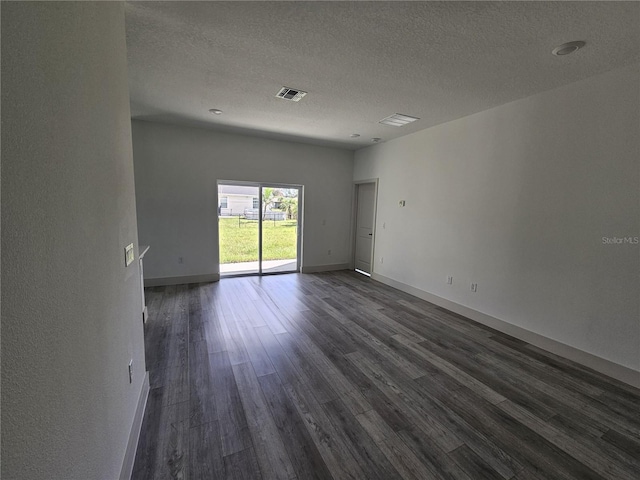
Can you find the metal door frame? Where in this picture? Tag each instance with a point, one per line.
(260, 186)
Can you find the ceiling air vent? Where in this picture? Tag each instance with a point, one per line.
(398, 120)
(292, 94)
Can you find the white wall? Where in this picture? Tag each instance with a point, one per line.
(71, 312)
(236, 205)
(517, 199)
(176, 172)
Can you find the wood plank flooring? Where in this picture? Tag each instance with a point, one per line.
(335, 376)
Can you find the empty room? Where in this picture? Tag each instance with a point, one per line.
(320, 240)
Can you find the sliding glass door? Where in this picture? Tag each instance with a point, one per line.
(258, 228)
(238, 232)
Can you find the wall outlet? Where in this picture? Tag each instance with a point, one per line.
(328, 252)
(402, 203)
(381, 259)
(131, 371)
(449, 280)
(180, 259)
(474, 287)
(384, 225)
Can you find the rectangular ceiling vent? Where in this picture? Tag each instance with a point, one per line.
(292, 94)
(397, 120)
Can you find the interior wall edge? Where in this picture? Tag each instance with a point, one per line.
(136, 427)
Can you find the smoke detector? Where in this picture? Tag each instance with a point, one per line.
(293, 94)
(398, 120)
(568, 48)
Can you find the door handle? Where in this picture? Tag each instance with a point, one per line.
(371, 234)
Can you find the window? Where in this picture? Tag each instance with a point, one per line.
(256, 202)
(224, 202)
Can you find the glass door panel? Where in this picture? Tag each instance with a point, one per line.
(280, 231)
(238, 229)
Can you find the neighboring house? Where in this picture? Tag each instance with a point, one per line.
(236, 200)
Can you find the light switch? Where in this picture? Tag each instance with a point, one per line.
(128, 255)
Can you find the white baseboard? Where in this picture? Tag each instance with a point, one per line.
(324, 268)
(162, 281)
(599, 364)
(134, 435)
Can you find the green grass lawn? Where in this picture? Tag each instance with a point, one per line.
(239, 243)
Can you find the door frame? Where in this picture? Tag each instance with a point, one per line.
(354, 223)
(260, 186)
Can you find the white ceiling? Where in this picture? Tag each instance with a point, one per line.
(360, 61)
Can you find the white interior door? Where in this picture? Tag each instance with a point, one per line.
(364, 226)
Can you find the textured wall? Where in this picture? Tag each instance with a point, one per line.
(517, 199)
(71, 311)
(176, 173)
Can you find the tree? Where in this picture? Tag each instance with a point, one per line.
(290, 206)
(269, 196)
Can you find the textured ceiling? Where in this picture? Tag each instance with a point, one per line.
(360, 61)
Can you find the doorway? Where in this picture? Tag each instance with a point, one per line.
(365, 193)
(259, 228)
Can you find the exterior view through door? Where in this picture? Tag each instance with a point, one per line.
(258, 228)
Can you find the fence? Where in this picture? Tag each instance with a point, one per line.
(253, 214)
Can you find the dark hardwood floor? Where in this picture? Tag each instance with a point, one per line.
(335, 376)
